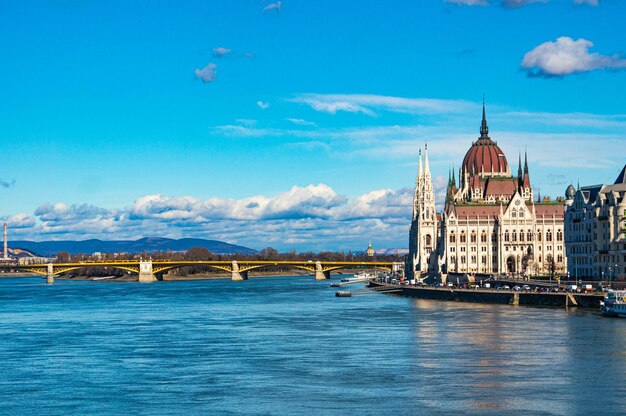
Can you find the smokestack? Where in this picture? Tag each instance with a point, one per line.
(6, 250)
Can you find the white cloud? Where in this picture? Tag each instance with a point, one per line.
(520, 3)
(20, 220)
(64, 213)
(588, 2)
(246, 122)
(469, 2)
(301, 122)
(208, 73)
(367, 103)
(263, 105)
(567, 56)
(273, 6)
(221, 52)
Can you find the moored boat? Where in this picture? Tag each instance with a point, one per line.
(614, 304)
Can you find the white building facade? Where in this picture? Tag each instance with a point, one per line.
(595, 230)
(490, 223)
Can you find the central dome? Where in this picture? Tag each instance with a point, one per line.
(485, 157)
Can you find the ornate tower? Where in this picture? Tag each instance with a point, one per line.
(423, 233)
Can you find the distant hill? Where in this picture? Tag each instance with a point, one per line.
(149, 244)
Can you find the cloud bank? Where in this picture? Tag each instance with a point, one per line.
(312, 217)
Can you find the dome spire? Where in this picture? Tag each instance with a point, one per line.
(484, 129)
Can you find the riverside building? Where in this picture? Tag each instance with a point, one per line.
(490, 223)
(595, 230)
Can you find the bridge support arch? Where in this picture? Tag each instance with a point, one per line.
(235, 274)
(145, 272)
(320, 273)
(50, 276)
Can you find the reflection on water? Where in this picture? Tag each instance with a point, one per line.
(288, 346)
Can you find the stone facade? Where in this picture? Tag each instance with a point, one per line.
(423, 236)
(490, 223)
(595, 230)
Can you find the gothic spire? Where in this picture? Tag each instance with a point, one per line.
(484, 129)
(519, 167)
(419, 165)
(525, 161)
(426, 164)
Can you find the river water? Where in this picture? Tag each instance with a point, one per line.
(287, 345)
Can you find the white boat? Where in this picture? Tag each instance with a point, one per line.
(614, 304)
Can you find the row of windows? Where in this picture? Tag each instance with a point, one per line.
(483, 259)
(513, 236)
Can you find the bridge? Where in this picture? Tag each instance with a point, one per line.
(146, 270)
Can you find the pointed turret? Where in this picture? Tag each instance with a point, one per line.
(419, 165)
(426, 164)
(525, 161)
(484, 129)
(519, 168)
(526, 180)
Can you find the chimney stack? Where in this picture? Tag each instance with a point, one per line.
(6, 250)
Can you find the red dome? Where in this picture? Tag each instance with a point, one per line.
(485, 156)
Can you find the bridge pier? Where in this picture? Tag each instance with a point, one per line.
(50, 276)
(320, 274)
(145, 272)
(235, 274)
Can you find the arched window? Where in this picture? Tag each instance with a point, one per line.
(514, 235)
(539, 236)
(473, 237)
(463, 237)
(494, 237)
(529, 236)
(483, 237)
(452, 237)
(513, 214)
(506, 236)
(559, 235)
(559, 258)
(453, 259)
(428, 240)
(549, 236)
(521, 235)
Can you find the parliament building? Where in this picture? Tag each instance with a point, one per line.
(491, 223)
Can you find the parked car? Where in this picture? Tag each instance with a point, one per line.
(526, 288)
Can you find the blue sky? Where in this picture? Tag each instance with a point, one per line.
(296, 127)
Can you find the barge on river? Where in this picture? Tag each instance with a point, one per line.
(506, 297)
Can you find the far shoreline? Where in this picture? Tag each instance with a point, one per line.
(174, 278)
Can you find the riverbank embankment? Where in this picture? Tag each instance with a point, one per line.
(506, 297)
